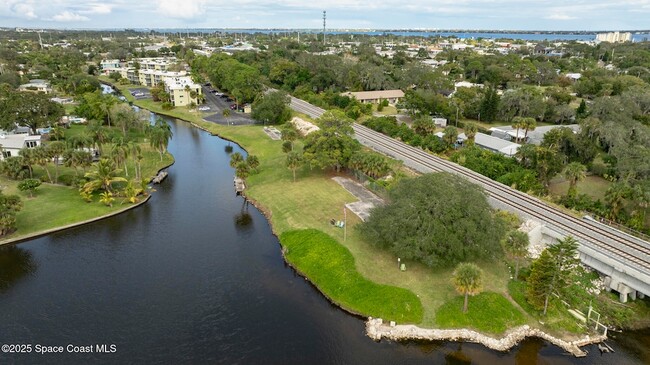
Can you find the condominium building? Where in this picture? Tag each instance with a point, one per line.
(614, 37)
(181, 90)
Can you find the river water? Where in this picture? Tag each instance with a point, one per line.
(195, 276)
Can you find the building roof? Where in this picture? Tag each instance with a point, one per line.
(535, 136)
(373, 95)
(16, 141)
(496, 144)
(176, 83)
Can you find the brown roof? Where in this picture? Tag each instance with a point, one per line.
(371, 95)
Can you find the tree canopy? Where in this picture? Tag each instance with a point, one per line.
(438, 219)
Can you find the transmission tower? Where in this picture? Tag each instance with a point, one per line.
(324, 22)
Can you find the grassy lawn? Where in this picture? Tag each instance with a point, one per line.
(594, 186)
(313, 199)
(388, 110)
(53, 206)
(56, 205)
(489, 312)
(331, 268)
(557, 319)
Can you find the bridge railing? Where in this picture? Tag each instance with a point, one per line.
(619, 226)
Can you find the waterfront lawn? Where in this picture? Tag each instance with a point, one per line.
(330, 267)
(557, 317)
(53, 206)
(487, 312)
(314, 199)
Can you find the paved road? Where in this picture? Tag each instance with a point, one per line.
(217, 105)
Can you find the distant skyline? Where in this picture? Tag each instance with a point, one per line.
(341, 14)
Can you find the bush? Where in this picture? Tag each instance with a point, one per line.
(167, 105)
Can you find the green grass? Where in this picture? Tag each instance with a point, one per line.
(557, 319)
(313, 199)
(330, 266)
(594, 186)
(388, 110)
(487, 312)
(54, 206)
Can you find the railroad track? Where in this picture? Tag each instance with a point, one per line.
(621, 246)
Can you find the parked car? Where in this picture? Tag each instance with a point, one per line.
(204, 108)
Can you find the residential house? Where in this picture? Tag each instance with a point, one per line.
(39, 86)
(11, 144)
(393, 96)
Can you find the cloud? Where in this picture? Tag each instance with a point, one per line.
(97, 9)
(24, 10)
(68, 16)
(557, 16)
(186, 9)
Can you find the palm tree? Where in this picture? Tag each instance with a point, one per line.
(82, 140)
(467, 280)
(106, 198)
(517, 124)
(294, 161)
(42, 158)
(516, 245)
(30, 158)
(103, 176)
(55, 150)
(450, 135)
(615, 196)
(120, 153)
(574, 172)
(235, 159)
(470, 132)
(242, 170)
(253, 162)
(97, 134)
(226, 114)
(160, 134)
(57, 133)
(529, 124)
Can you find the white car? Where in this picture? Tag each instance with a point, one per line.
(204, 108)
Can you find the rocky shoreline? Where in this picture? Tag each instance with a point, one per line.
(376, 329)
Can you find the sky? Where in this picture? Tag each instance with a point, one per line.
(341, 14)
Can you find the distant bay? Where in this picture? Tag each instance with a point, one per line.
(515, 35)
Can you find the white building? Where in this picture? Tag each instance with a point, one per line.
(614, 37)
(39, 86)
(10, 144)
(180, 90)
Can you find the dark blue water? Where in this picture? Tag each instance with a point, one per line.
(195, 276)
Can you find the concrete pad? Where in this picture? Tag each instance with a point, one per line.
(367, 200)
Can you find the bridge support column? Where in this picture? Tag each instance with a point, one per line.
(607, 282)
(640, 295)
(623, 291)
(633, 295)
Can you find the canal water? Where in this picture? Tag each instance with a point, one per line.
(195, 276)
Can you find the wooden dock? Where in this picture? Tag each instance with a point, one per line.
(239, 186)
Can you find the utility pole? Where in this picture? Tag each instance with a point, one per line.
(324, 22)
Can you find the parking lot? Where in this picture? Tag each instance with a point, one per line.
(217, 104)
(140, 93)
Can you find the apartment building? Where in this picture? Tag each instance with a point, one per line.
(181, 90)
